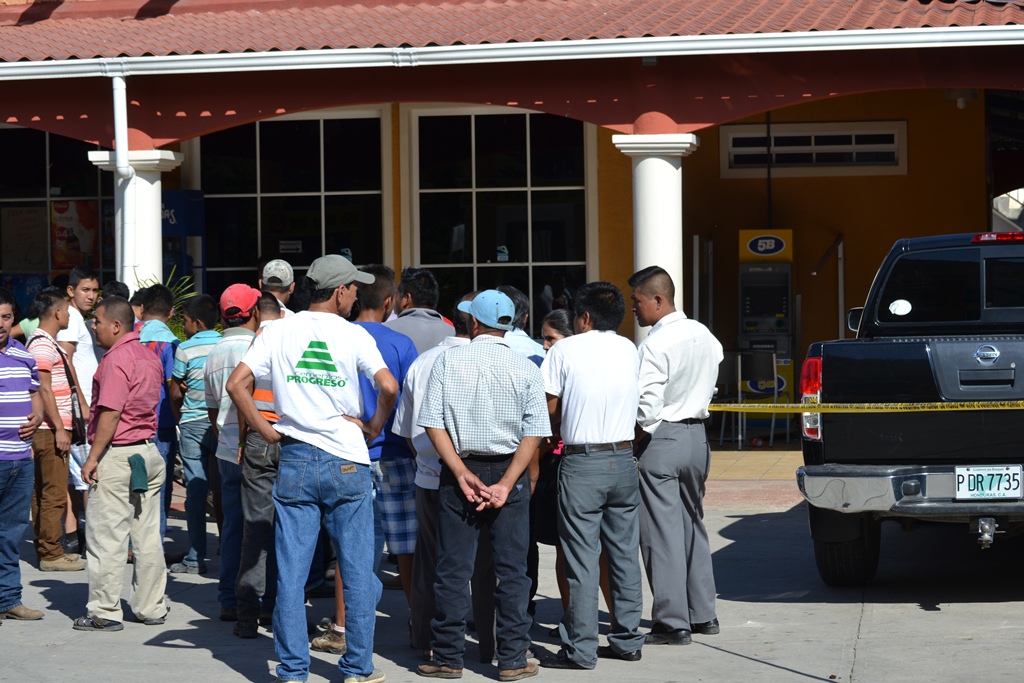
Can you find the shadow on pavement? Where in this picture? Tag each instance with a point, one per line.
(770, 558)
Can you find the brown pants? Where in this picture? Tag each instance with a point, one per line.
(50, 496)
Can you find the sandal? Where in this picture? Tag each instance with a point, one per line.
(97, 624)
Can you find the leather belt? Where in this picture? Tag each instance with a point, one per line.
(133, 443)
(597, 448)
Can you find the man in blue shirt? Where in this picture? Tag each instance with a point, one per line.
(157, 309)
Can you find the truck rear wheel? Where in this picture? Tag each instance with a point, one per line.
(849, 562)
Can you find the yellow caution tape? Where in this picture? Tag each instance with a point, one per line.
(754, 407)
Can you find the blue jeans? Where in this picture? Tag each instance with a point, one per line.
(16, 482)
(198, 444)
(230, 531)
(312, 483)
(598, 501)
(460, 528)
(166, 442)
(377, 479)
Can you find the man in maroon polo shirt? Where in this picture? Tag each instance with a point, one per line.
(125, 473)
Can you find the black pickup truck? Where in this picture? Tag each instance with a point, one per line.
(943, 323)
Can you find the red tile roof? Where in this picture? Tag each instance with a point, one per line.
(112, 28)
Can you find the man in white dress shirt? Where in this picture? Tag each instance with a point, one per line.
(591, 382)
(678, 370)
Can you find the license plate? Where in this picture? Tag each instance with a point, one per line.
(973, 483)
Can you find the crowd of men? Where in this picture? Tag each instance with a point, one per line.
(366, 418)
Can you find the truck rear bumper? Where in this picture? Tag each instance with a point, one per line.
(925, 492)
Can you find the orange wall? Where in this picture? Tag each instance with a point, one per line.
(944, 191)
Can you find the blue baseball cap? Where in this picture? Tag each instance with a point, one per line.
(492, 308)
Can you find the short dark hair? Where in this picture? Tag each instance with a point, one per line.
(316, 296)
(561, 321)
(7, 298)
(604, 302)
(459, 318)
(521, 302)
(373, 295)
(79, 273)
(115, 288)
(653, 280)
(421, 285)
(204, 309)
(269, 306)
(118, 309)
(45, 302)
(159, 300)
(139, 297)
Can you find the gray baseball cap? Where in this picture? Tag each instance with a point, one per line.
(278, 272)
(333, 271)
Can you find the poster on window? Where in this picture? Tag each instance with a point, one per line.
(23, 231)
(75, 231)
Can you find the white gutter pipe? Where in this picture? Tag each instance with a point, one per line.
(614, 48)
(125, 256)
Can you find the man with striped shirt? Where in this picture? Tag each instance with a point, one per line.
(21, 413)
(51, 446)
(197, 439)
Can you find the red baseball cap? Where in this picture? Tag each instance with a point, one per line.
(237, 301)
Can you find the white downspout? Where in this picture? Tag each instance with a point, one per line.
(124, 235)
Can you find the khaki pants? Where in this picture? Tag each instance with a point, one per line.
(112, 516)
(50, 496)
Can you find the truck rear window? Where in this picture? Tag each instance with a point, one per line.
(934, 286)
(1004, 283)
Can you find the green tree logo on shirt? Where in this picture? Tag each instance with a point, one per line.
(317, 357)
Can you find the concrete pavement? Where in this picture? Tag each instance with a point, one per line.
(941, 610)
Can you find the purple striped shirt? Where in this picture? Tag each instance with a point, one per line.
(18, 377)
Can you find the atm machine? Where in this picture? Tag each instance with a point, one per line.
(766, 306)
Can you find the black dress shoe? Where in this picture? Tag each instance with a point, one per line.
(707, 628)
(606, 652)
(560, 662)
(662, 637)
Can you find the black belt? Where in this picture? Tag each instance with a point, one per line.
(486, 457)
(133, 443)
(688, 421)
(597, 448)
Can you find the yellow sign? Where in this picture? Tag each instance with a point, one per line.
(766, 246)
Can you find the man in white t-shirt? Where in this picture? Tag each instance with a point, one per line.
(591, 380)
(77, 340)
(314, 359)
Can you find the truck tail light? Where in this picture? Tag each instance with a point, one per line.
(810, 393)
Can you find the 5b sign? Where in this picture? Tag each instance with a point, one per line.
(766, 247)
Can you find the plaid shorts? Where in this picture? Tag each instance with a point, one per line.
(397, 500)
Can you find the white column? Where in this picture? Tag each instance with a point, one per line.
(139, 256)
(658, 202)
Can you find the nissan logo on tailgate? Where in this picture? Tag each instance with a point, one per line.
(986, 354)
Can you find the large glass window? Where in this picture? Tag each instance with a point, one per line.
(55, 211)
(501, 199)
(294, 188)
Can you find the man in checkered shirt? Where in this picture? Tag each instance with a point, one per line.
(485, 412)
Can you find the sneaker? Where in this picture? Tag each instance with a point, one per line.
(331, 641)
(64, 563)
(22, 613)
(376, 676)
(246, 629)
(157, 621)
(182, 568)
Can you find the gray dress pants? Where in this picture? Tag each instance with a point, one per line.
(673, 540)
(597, 506)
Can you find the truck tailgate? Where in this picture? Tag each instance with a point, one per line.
(923, 370)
